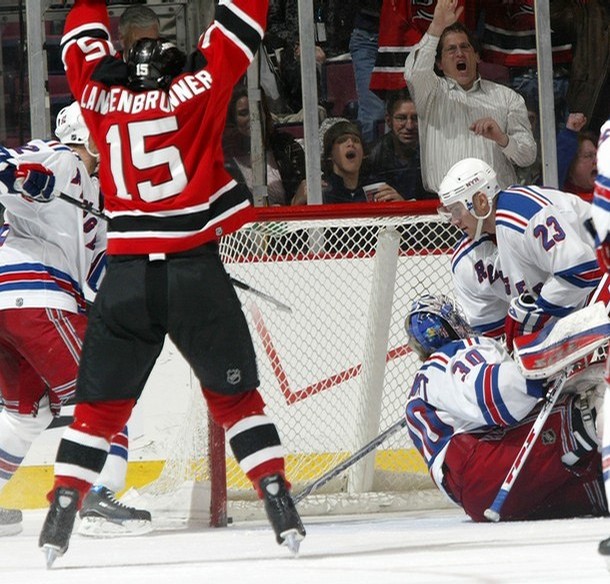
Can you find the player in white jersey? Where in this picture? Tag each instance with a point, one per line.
(546, 255)
(600, 215)
(51, 253)
(481, 289)
(469, 411)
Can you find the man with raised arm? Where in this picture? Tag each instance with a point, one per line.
(460, 114)
(169, 199)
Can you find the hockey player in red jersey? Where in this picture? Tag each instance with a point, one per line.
(168, 199)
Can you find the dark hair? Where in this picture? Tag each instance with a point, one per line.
(331, 136)
(394, 98)
(457, 27)
(240, 91)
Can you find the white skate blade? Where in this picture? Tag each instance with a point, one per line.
(10, 529)
(100, 527)
(292, 540)
(51, 553)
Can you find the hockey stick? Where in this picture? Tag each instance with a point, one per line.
(99, 213)
(358, 455)
(270, 299)
(493, 512)
(83, 205)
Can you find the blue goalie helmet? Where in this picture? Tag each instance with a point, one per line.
(432, 322)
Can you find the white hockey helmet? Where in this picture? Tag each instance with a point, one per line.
(70, 127)
(464, 179)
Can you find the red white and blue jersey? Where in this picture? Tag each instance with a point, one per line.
(600, 212)
(545, 249)
(481, 289)
(53, 250)
(161, 161)
(470, 385)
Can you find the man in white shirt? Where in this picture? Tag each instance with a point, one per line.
(460, 114)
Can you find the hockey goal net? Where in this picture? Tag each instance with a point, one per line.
(333, 363)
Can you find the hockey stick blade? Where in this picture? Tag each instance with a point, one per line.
(546, 352)
(243, 286)
(493, 512)
(353, 459)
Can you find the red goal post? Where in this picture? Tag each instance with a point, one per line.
(334, 368)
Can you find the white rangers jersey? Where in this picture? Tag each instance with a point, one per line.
(481, 290)
(469, 385)
(51, 250)
(601, 198)
(545, 249)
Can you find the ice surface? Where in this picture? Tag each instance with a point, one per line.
(425, 547)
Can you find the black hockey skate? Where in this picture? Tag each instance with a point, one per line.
(10, 521)
(57, 527)
(102, 515)
(282, 513)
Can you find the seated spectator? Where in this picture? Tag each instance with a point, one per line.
(342, 159)
(577, 157)
(343, 177)
(285, 156)
(395, 157)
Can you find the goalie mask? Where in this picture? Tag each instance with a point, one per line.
(463, 180)
(152, 64)
(434, 321)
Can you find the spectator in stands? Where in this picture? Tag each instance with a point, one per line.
(395, 157)
(461, 114)
(344, 179)
(137, 22)
(577, 157)
(586, 24)
(281, 67)
(285, 156)
(363, 48)
(508, 41)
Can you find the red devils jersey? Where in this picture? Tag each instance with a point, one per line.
(402, 25)
(161, 164)
(509, 36)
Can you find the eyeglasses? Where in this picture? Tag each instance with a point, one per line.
(588, 156)
(453, 49)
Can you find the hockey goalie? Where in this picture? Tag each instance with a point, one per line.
(471, 409)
